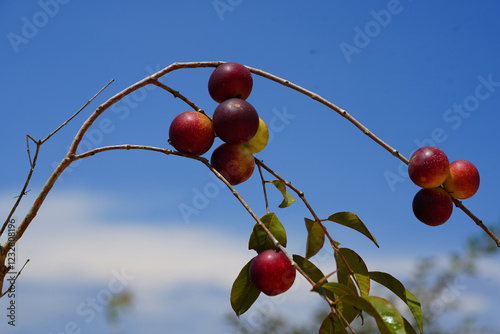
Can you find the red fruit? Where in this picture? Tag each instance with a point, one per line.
(230, 80)
(235, 121)
(463, 180)
(432, 206)
(234, 161)
(191, 132)
(428, 167)
(272, 273)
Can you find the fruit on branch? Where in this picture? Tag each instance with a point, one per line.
(230, 80)
(463, 181)
(428, 167)
(271, 272)
(259, 141)
(432, 206)
(191, 132)
(235, 121)
(234, 161)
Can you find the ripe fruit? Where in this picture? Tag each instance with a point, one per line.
(230, 80)
(428, 167)
(234, 161)
(259, 141)
(271, 272)
(432, 206)
(463, 180)
(235, 121)
(191, 132)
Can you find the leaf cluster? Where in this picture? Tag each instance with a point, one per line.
(348, 296)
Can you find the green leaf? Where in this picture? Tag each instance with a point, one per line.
(389, 320)
(408, 327)
(309, 268)
(351, 220)
(338, 289)
(332, 325)
(287, 198)
(243, 292)
(393, 284)
(260, 240)
(358, 267)
(335, 290)
(315, 237)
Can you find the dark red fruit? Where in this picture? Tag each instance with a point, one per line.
(234, 161)
(230, 80)
(235, 121)
(191, 132)
(432, 206)
(428, 167)
(272, 273)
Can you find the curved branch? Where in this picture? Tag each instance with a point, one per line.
(216, 173)
(332, 106)
(337, 109)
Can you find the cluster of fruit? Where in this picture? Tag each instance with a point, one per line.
(430, 169)
(235, 121)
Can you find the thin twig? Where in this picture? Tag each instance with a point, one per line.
(478, 221)
(75, 114)
(316, 218)
(33, 162)
(28, 137)
(176, 94)
(127, 147)
(23, 192)
(263, 185)
(15, 279)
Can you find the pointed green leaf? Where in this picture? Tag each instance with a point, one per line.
(309, 268)
(260, 240)
(351, 220)
(243, 292)
(315, 237)
(389, 320)
(358, 267)
(348, 311)
(393, 284)
(287, 198)
(408, 327)
(332, 325)
(335, 290)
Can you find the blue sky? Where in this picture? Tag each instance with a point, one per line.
(413, 72)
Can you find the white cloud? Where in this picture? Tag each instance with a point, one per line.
(66, 242)
(174, 266)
